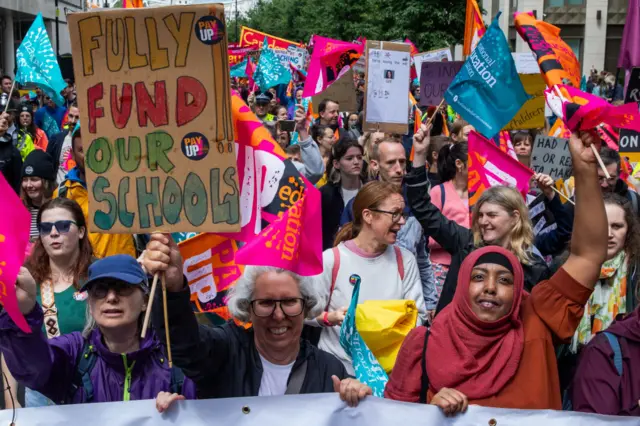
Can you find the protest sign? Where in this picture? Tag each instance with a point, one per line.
(298, 57)
(526, 63)
(438, 55)
(551, 156)
(250, 37)
(14, 238)
(341, 91)
(435, 78)
(487, 91)
(386, 105)
(531, 115)
(157, 130)
(630, 139)
(324, 409)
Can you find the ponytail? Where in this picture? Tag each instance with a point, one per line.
(346, 233)
(447, 160)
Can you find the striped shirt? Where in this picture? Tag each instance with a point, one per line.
(34, 223)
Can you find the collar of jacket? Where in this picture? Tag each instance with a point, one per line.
(149, 346)
(74, 176)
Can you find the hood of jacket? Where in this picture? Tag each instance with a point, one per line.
(74, 176)
(628, 327)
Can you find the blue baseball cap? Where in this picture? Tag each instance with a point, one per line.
(121, 267)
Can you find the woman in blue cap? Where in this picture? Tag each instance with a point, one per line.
(106, 362)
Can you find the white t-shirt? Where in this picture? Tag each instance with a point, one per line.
(380, 281)
(348, 194)
(274, 378)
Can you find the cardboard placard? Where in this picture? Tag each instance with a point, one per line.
(551, 156)
(386, 99)
(435, 78)
(629, 142)
(342, 91)
(438, 55)
(531, 115)
(155, 103)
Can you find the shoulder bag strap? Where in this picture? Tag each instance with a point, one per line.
(617, 351)
(424, 380)
(49, 309)
(399, 262)
(334, 274)
(296, 379)
(442, 197)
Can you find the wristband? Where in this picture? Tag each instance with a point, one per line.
(325, 320)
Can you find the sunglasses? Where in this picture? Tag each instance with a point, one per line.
(101, 290)
(62, 226)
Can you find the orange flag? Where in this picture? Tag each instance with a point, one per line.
(474, 27)
(127, 4)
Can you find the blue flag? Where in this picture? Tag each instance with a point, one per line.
(270, 72)
(487, 91)
(239, 70)
(37, 62)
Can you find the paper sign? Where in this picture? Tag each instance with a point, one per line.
(630, 139)
(438, 55)
(341, 91)
(14, 238)
(435, 78)
(157, 130)
(250, 37)
(387, 87)
(298, 57)
(526, 63)
(531, 115)
(551, 156)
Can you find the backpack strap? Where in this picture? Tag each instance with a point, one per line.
(296, 379)
(399, 261)
(334, 274)
(442, 197)
(424, 380)
(62, 190)
(177, 380)
(617, 351)
(86, 361)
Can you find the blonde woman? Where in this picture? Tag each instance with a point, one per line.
(500, 217)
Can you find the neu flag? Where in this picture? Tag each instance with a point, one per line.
(489, 166)
(14, 238)
(487, 92)
(474, 27)
(270, 72)
(556, 60)
(329, 61)
(37, 64)
(239, 70)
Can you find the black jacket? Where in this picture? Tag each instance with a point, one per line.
(10, 163)
(332, 208)
(54, 148)
(224, 362)
(454, 238)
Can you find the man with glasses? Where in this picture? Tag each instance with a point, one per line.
(268, 359)
(49, 117)
(389, 163)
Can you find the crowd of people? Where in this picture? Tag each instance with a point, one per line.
(506, 316)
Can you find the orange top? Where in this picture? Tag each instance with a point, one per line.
(551, 313)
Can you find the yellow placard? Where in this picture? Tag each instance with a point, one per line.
(531, 115)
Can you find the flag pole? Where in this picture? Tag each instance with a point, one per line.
(166, 319)
(13, 85)
(147, 315)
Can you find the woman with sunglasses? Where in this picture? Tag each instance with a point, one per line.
(106, 362)
(366, 248)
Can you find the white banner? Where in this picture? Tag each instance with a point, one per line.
(297, 410)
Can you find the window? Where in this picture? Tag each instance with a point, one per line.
(563, 3)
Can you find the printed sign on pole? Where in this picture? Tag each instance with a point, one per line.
(386, 104)
(551, 156)
(157, 129)
(435, 78)
(629, 142)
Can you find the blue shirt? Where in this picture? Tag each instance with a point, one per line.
(50, 120)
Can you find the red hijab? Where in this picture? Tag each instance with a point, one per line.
(475, 357)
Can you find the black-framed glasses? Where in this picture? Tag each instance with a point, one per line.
(395, 216)
(291, 307)
(101, 289)
(63, 226)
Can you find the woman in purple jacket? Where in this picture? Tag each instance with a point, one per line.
(108, 361)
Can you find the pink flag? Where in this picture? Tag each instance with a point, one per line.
(14, 238)
(630, 47)
(583, 111)
(293, 241)
(489, 166)
(330, 59)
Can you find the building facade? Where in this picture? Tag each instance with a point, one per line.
(592, 28)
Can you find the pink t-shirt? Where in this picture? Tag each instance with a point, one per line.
(455, 209)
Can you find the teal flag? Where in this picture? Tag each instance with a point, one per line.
(270, 72)
(239, 70)
(487, 91)
(37, 63)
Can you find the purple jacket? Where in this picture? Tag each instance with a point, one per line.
(597, 387)
(50, 366)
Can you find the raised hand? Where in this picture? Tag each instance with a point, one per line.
(25, 291)
(545, 183)
(582, 154)
(421, 141)
(162, 255)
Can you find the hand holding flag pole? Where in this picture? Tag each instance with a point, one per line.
(13, 85)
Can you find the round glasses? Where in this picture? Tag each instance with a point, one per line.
(266, 307)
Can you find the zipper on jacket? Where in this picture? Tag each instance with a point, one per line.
(126, 394)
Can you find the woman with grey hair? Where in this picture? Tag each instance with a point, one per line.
(268, 359)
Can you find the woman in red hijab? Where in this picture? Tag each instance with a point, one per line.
(494, 344)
